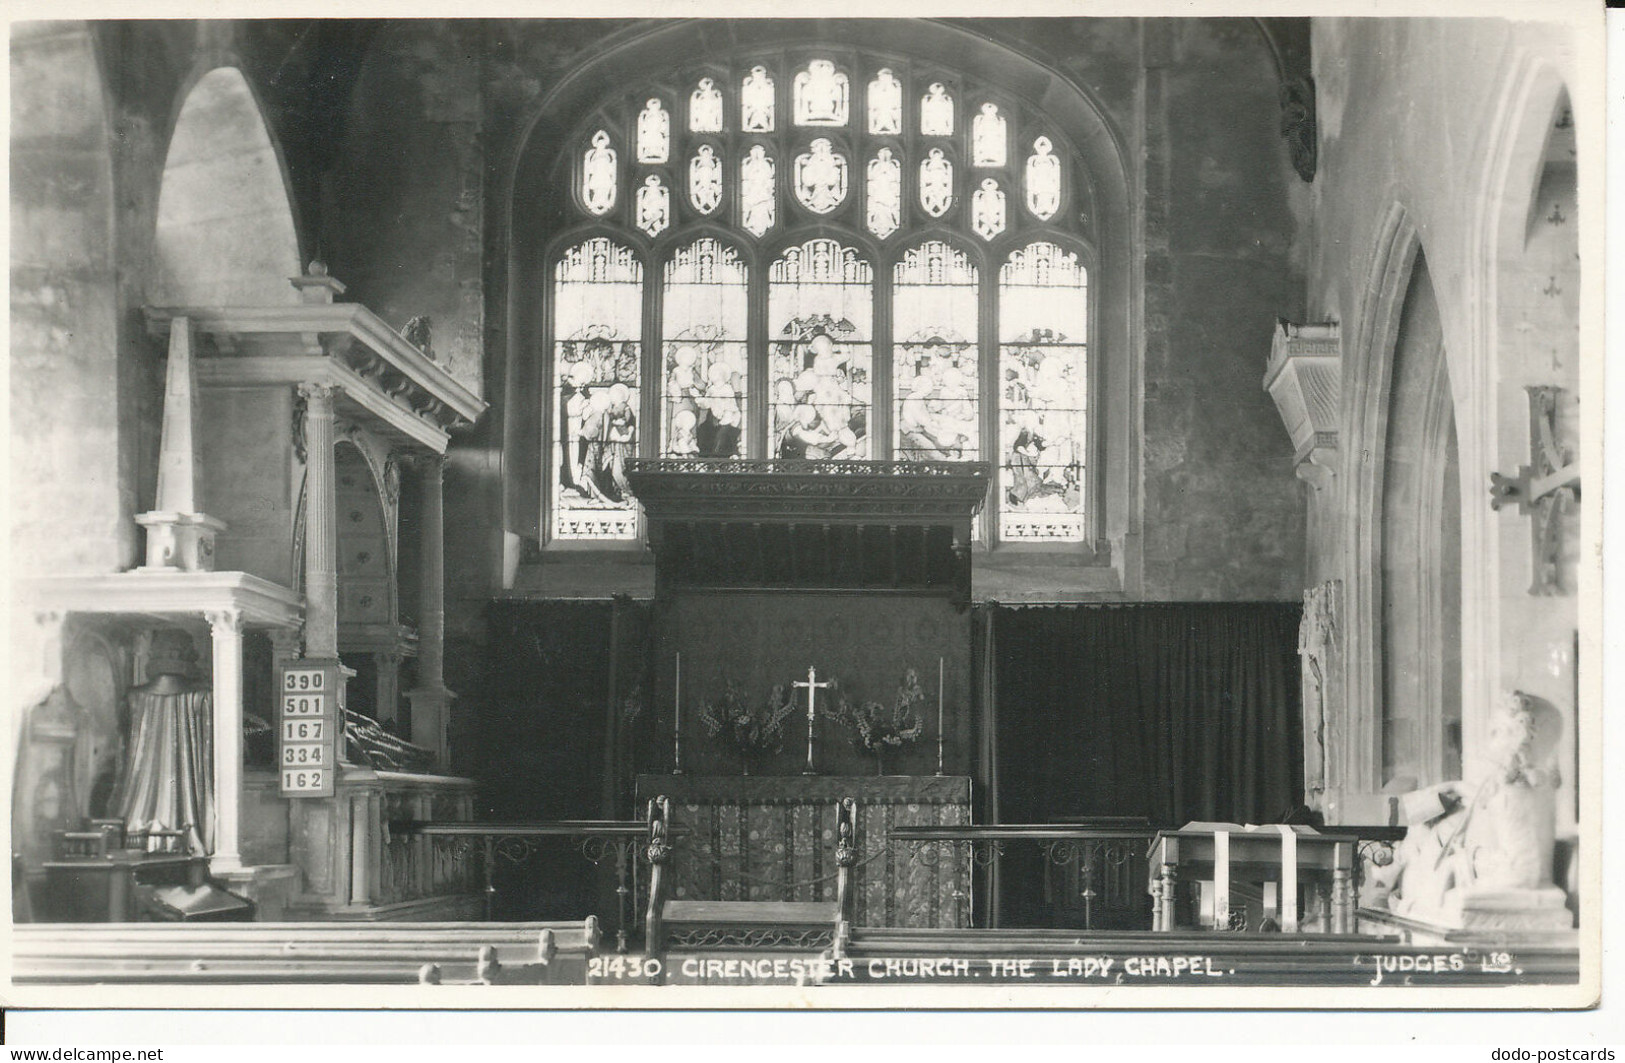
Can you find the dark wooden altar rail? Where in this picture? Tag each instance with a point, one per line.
(336, 952)
(597, 839)
(1049, 837)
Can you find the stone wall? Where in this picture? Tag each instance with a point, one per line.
(400, 141)
(1432, 133)
(69, 506)
(1222, 509)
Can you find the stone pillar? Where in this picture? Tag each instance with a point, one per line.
(431, 701)
(321, 532)
(226, 629)
(388, 664)
(284, 646)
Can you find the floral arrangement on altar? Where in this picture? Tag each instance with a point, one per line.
(754, 731)
(876, 730)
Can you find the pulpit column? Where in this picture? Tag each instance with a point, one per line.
(431, 701)
(321, 568)
(226, 631)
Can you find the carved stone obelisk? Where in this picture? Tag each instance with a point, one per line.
(180, 537)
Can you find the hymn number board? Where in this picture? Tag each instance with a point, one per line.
(309, 724)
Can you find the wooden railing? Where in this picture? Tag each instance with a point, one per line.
(1103, 869)
(600, 841)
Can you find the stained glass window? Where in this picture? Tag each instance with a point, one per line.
(937, 111)
(820, 93)
(884, 194)
(597, 321)
(654, 205)
(703, 378)
(987, 137)
(757, 210)
(987, 209)
(820, 319)
(756, 101)
(705, 179)
(598, 175)
(805, 314)
(885, 104)
(1043, 392)
(1043, 179)
(654, 133)
(820, 178)
(935, 383)
(705, 108)
(936, 183)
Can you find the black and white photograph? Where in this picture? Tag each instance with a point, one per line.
(1044, 507)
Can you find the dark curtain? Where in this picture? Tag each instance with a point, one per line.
(1170, 712)
(1173, 712)
(551, 738)
(626, 704)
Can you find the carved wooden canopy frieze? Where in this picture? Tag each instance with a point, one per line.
(808, 491)
(346, 345)
(870, 525)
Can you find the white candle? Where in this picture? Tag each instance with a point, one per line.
(941, 672)
(677, 697)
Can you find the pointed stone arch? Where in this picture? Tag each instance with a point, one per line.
(65, 319)
(225, 234)
(1420, 553)
(533, 213)
(1526, 335)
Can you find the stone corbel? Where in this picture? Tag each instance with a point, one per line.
(1318, 468)
(1298, 126)
(1304, 377)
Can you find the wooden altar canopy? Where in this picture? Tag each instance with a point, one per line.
(871, 525)
(770, 838)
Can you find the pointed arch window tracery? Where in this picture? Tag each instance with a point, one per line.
(775, 342)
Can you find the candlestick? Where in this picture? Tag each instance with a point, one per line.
(808, 770)
(942, 672)
(677, 721)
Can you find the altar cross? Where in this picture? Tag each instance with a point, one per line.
(811, 686)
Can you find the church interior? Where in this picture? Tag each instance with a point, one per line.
(801, 501)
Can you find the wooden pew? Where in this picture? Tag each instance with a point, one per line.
(371, 953)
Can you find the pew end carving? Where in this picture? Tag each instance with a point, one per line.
(658, 853)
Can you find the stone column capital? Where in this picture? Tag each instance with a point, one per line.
(316, 391)
(224, 621)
